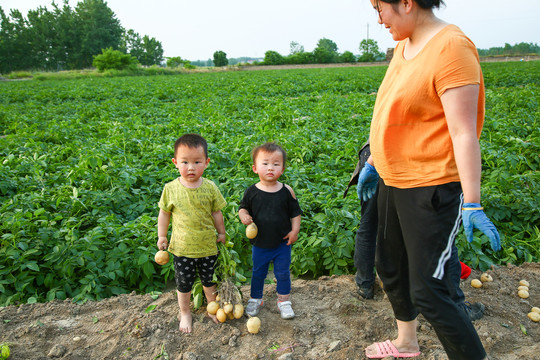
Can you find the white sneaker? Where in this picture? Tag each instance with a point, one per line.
(285, 309)
(254, 306)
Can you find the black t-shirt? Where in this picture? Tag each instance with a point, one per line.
(272, 213)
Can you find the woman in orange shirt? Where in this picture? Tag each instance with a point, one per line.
(427, 120)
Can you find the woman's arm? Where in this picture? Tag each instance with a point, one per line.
(460, 108)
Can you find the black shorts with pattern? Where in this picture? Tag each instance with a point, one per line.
(186, 269)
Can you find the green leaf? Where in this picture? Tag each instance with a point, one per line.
(150, 308)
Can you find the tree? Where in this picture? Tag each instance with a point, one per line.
(300, 58)
(273, 58)
(296, 48)
(220, 59)
(347, 57)
(175, 61)
(326, 51)
(369, 51)
(41, 28)
(153, 51)
(148, 51)
(98, 28)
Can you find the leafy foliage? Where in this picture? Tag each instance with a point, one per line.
(369, 51)
(83, 162)
(66, 38)
(114, 59)
(220, 58)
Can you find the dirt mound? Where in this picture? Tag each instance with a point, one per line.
(331, 323)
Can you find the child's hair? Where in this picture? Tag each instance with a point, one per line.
(269, 147)
(192, 141)
(424, 4)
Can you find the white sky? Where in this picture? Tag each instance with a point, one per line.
(195, 29)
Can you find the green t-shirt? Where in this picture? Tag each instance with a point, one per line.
(193, 230)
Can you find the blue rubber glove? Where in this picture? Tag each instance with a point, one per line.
(367, 182)
(477, 219)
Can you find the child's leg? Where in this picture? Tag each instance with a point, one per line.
(282, 271)
(261, 261)
(282, 264)
(210, 293)
(184, 276)
(205, 268)
(185, 312)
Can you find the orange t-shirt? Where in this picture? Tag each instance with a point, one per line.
(410, 142)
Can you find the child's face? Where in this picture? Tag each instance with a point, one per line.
(269, 166)
(190, 162)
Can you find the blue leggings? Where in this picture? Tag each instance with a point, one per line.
(281, 256)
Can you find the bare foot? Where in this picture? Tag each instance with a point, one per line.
(213, 317)
(185, 323)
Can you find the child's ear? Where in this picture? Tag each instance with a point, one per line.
(207, 162)
(254, 168)
(173, 161)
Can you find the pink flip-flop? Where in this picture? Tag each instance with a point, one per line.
(386, 348)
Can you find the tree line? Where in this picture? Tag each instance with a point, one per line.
(65, 39)
(519, 49)
(325, 52)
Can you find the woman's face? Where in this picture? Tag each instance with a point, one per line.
(392, 17)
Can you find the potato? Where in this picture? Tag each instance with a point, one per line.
(251, 231)
(230, 316)
(238, 311)
(212, 307)
(535, 309)
(524, 283)
(221, 316)
(523, 294)
(253, 325)
(534, 316)
(523, 288)
(486, 278)
(162, 257)
(228, 308)
(218, 298)
(475, 283)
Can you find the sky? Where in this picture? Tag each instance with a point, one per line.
(195, 29)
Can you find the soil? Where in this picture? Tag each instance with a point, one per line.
(331, 322)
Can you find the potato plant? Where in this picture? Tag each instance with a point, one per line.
(83, 163)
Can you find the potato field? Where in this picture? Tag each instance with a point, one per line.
(83, 163)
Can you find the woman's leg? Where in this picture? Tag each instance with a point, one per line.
(430, 219)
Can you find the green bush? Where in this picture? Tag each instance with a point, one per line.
(114, 60)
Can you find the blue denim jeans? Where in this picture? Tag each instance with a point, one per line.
(281, 257)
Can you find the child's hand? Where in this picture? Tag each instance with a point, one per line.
(162, 243)
(246, 219)
(222, 238)
(291, 237)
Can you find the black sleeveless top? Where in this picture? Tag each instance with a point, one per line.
(272, 213)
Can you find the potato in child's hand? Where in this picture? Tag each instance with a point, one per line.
(251, 231)
(162, 257)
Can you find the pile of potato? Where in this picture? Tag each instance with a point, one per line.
(523, 289)
(523, 292)
(226, 312)
(485, 277)
(230, 312)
